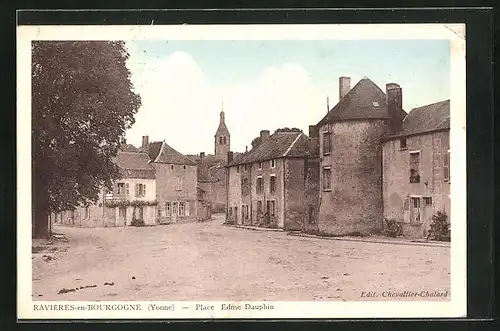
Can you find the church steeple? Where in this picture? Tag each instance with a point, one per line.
(222, 137)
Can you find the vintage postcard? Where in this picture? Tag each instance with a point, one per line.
(243, 171)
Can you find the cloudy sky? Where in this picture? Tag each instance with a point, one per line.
(268, 84)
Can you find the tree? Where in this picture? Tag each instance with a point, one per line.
(82, 104)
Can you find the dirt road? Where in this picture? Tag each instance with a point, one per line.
(210, 261)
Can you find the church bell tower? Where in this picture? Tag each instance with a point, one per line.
(222, 138)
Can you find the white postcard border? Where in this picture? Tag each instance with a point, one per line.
(456, 307)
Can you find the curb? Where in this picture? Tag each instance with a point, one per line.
(408, 243)
(254, 228)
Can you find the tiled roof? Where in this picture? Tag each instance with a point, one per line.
(134, 165)
(435, 116)
(169, 155)
(154, 149)
(364, 101)
(129, 148)
(279, 144)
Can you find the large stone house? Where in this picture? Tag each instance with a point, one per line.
(265, 186)
(350, 157)
(133, 197)
(176, 182)
(416, 168)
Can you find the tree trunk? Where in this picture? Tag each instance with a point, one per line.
(41, 228)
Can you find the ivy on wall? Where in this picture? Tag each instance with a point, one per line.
(133, 203)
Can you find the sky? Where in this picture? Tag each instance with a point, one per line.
(265, 85)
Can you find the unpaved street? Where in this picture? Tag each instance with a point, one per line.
(210, 261)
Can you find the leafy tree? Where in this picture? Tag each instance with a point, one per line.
(82, 104)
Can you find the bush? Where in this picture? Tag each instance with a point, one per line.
(393, 228)
(440, 227)
(136, 222)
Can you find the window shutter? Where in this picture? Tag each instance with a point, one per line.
(186, 209)
(144, 190)
(127, 188)
(137, 188)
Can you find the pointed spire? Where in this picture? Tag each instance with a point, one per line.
(222, 119)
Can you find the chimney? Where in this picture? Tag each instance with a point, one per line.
(313, 131)
(264, 135)
(202, 156)
(394, 100)
(229, 157)
(145, 143)
(344, 86)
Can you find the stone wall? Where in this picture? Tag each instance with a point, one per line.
(294, 196)
(354, 202)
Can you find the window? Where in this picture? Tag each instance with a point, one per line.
(179, 184)
(238, 169)
(260, 165)
(121, 188)
(182, 209)
(259, 207)
(140, 190)
(225, 141)
(375, 104)
(414, 167)
(327, 179)
(327, 146)
(273, 163)
(245, 167)
(272, 184)
(271, 208)
(427, 201)
(230, 211)
(168, 209)
(184, 167)
(159, 211)
(402, 143)
(171, 167)
(87, 212)
(446, 165)
(260, 186)
(174, 208)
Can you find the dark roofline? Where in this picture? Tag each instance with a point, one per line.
(421, 133)
(261, 160)
(325, 120)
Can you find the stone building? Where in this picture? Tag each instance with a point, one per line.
(416, 169)
(133, 197)
(350, 158)
(176, 182)
(265, 186)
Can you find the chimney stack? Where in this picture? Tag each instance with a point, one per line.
(344, 86)
(313, 131)
(229, 157)
(145, 143)
(264, 135)
(394, 100)
(202, 156)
